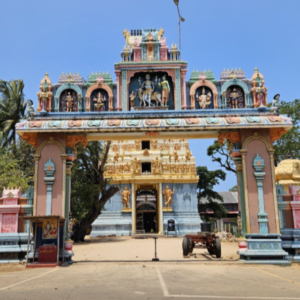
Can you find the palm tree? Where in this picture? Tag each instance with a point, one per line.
(12, 109)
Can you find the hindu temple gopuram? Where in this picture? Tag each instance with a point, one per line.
(149, 110)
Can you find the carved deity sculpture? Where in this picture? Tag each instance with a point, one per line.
(156, 165)
(30, 110)
(175, 155)
(146, 92)
(137, 145)
(148, 87)
(275, 104)
(99, 102)
(153, 145)
(116, 157)
(69, 101)
(188, 155)
(125, 197)
(127, 167)
(204, 100)
(260, 91)
(44, 96)
(131, 98)
(234, 96)
(168, 196)
(164, 85)
(136, 165)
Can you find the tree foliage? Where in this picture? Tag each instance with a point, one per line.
(234, 189)
(206, 193)
(12, 109)
(288, 145)
(220, 154)
(90, 190)
(16, 166)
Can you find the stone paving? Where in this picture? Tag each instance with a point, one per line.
(127, 278)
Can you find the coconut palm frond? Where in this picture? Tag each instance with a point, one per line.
(12, 108)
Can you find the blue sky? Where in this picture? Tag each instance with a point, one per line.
(85, 36)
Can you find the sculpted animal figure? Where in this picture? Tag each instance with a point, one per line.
(154, 97)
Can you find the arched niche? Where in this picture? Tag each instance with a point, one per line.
(70, 86)
(138, 78)
(237, 84)
(209, 86)
(63, 100)
(92, 92)
(94, 99)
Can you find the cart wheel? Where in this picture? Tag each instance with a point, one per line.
(210, 250)
(218, 248)
(185, 246)
(191, 246)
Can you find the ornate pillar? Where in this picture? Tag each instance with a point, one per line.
(183, 74)
(244, 152)
(118, 73)
(68, 194)
(241, 192)
(271, 153)
(36, 168)
(258, 165)
(133, 211)
(160, 205)
(49, 169)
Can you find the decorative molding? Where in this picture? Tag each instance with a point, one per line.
(256, 136)
(51, 140)
(73, 140)
(233, 137)
(276, 133)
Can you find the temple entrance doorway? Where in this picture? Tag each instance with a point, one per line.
(146, 209)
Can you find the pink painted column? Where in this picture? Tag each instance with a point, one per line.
(118, 73)
(184, 104)
(295, 204)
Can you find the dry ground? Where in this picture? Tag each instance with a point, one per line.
(128, 249)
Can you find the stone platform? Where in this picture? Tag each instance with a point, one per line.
(264, 249)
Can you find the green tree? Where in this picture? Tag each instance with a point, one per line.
(234, 189)
(220, 154)
(206, 193)
(288, 145)
(12, 109)
(17, 165)
(90, 190)
(11, 174)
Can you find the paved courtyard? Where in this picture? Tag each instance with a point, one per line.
(126, 276)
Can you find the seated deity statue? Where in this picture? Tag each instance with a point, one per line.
(99, 102)
(204, 100)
